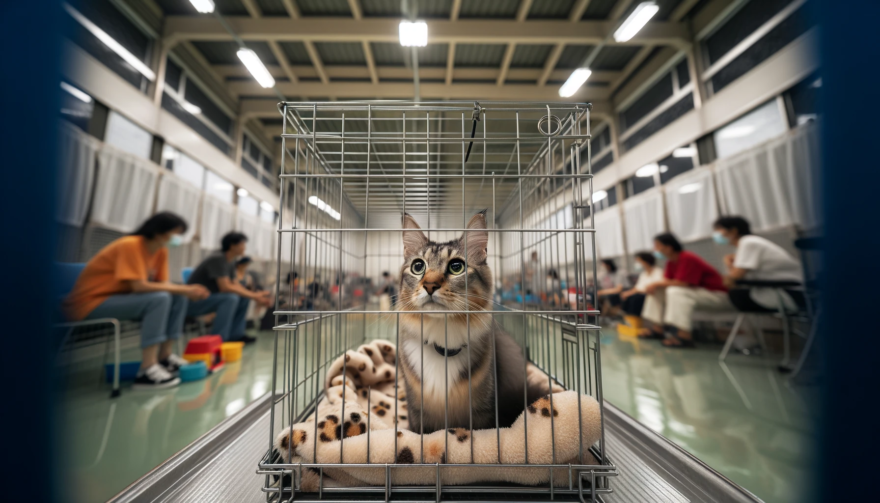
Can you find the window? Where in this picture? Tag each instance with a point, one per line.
(183, 166)
(673, 166)
(756, 127)
(802, 100)
(76, 106)
(218, 187)
(601, 141)
(248, 205)
(780, 22)
(128, 136)
(602, 161)
(659, 122)
(109, 19)
(653, 98)
(266, 214)
(637, 184)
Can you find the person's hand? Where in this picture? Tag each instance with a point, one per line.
(728, 259)
(197, 292)
(263, 298)
(650, 289)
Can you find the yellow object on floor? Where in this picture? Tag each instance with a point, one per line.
(199, 357)
(231, 351)
(627, 331)
(633, 321)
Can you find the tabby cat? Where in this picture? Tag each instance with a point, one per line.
(435, 277)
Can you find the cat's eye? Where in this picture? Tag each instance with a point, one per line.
(417, 267)
(456, 267)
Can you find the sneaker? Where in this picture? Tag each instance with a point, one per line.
(173, 363)
(155, 377)
(247, 339)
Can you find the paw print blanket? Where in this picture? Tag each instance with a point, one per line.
(362, 412)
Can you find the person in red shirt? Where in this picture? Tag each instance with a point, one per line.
(689, 283)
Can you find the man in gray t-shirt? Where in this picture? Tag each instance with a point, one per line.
(228, 298)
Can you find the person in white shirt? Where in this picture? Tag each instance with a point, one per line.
(634, 298)
(760, 259)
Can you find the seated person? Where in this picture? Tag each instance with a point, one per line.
(612, 281)
(689, 283)
(756, 258)
(245, 277)
(228, 298)
(128, 280)
(634, 298)
(553, 288)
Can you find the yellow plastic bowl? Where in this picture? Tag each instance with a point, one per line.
(231, 351)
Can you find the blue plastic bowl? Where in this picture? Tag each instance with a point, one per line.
(193, 372)
(127, 371)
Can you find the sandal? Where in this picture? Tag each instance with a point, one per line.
(647, 333)
(679, 342)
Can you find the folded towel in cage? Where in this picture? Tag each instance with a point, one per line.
(557, 429)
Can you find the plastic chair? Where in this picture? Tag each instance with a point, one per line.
(812, 294)
(185, 273)
(67, 275)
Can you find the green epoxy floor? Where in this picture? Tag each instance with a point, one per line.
(742, 419)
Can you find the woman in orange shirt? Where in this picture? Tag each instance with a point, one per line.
(128, 280)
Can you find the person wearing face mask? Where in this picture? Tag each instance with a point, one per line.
(689, 283)
(759, 259)
(229, 299)
(636, 297)
(128, 280)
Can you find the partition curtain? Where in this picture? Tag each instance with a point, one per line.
(253, 228)
(76, 175)
(217, 220)
(180, 197)
(775, 184)
(691, 205)
(264, 240)
(643, 215)
(125, 190)
(609, 234)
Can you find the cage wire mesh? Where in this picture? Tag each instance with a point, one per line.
(350, 170)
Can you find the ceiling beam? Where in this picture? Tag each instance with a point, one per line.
(487, 31)
(205, 72)
(522, 13)
(450, 63)
(619, 8)
(505, 64)
(316, 61)
(252, 8)
(371, 63)
(282, 60)
(682, 9)
(402, 72)
(577, 10)
(268, 109)
(356, 11)
(349, 90)
(291, 8)
(456, 9)
(552, 59)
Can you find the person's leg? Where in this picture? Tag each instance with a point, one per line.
(685, 301)
(224, 304)
(239, 320)
(151, 308)
(652, 312)
(633, 304)
(174, 327)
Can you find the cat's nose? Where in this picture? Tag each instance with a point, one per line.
(431, 287)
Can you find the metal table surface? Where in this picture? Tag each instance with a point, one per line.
(221, 466)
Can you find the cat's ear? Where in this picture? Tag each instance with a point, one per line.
(476, 238)
(413, 240)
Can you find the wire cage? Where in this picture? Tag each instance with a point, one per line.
(350, 170)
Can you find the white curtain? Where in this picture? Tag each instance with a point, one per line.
(643, 216)
(76, 175)
(691, 204)
(125, 190)
(217, 220)
(259, 235)
(775, 184)
(609, 233)
(181, 197)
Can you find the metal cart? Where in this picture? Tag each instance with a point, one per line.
(349, 171)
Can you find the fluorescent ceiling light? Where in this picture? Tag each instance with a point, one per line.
(684, 152)
(203, 6)
(76, 93)
(574, 82)
(266, 206)
(636, 21)
(413, 34)
(648, 170)
(256, 67)
(315, 200)
(189, 107)
(736, 131)
(242, 192)
(690, 188)
(599, 195)
(110, 42)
